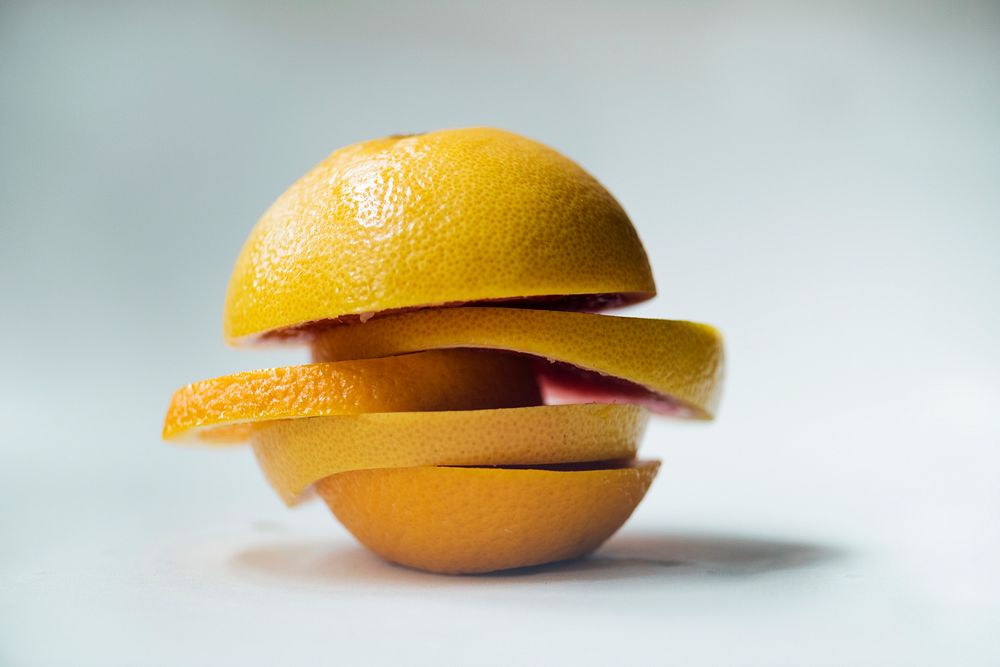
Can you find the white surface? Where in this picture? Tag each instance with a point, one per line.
(821, 183)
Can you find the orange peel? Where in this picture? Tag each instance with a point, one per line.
(676, 366)
(445, 217)
(467, 520)
(293, 454)
(218, 410)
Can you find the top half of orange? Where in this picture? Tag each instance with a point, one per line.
(442, 218)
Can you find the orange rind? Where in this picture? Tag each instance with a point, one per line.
(453, 216)
(295, 453)
(672, 366)
(470, 520)
(218, 410)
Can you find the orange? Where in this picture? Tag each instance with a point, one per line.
(445, 217)
(295, 453)
(465, 520)
(437, 380)
(678, 365)
(441, 279)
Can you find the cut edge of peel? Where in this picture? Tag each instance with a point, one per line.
(578, 466)
(301, 334)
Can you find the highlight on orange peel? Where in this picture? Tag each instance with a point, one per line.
(441, 281)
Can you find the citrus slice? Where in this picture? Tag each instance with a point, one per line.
(674, 367)
(465, 520)
(446, 217)
(295, 453)
(218, 410)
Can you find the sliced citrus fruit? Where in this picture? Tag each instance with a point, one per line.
(672, 366)
(296, 453)
(218, 409)
(444, 217)
(465, 520)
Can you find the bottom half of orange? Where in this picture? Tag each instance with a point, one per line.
(461, 520)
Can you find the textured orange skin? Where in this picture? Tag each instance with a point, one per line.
(437, 380)
(468, 520)
(439, 218)
(680, 360)
(295, 453)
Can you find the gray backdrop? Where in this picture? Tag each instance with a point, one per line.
(819, 180)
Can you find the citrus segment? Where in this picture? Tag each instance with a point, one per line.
(444, 217)
(677, 366)
(428, 381)
(294, 454)
(465, 520)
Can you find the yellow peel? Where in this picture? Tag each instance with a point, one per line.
(681, 362)
(442, 217)
(294, 454)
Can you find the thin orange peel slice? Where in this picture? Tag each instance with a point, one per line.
(294, 454)
(672, 366)
(220, 410)
(467, 520)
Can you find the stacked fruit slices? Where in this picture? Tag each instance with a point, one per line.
(449, 433)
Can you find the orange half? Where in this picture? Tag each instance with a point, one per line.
(444, 217)
(466, 520)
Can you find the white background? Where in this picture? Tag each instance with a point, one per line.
(819, 180)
